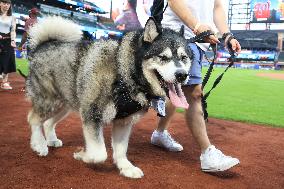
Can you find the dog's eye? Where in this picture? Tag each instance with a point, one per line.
(183, 58)
(164, 58)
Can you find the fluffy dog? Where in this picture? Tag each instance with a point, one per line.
(105, 81)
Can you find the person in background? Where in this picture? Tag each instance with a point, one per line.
(128, 20)
(198, 16)
(33, 14)
(7, 42)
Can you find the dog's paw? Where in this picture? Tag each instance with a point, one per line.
(56, 143)
(87, 158)
(132, 172)
(127, 169)
(40, 148)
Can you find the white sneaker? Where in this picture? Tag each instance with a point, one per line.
(213, 160)
(164, 140)
(6, 86)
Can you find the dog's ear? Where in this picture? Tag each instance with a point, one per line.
(181, 31)
(151, 30)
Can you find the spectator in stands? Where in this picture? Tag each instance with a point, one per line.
(33, 14)
(128, 19)
(7, 42)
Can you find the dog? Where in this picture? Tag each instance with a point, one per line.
(105, 81)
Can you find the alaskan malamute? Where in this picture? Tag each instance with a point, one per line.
(106, 81)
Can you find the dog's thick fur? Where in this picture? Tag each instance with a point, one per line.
(105, 81)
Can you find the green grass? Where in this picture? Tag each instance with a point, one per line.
(22, 64)
(241, 96)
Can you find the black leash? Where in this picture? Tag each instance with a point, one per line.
(200, 37)
(217, 81)
(157, 10)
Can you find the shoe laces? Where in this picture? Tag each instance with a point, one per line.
(169, 137)
(213, 152)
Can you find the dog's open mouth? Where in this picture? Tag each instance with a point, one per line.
(175, 92)
(176, 95)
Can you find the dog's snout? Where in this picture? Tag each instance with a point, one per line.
(181, 75)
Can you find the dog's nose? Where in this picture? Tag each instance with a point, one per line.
(181, 76)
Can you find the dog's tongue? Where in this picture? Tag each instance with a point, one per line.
(177, 96)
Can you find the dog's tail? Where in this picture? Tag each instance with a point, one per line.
(54, 28)
(22, 74)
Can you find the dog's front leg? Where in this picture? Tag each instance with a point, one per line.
(95, 150)
(120, 136)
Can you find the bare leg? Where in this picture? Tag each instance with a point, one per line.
(164, 122)
(38, 142)
(120, 136)
(49, 128)
(161, 137)
(5, 78)
(194, 116)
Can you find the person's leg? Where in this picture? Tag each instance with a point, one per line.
(5, 78)
(164, 122)
(161, 137)
(194, 116)
(211, 159)
(5, 84)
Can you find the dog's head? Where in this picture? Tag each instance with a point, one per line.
(166, 60)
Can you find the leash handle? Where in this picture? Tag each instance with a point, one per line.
(230, 47)
(200, 37)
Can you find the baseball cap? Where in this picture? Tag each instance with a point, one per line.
(34, 11)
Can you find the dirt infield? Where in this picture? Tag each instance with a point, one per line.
(260, 150)
(272, 75)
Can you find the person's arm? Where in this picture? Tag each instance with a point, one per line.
(220, 17)
(13, 32)
(25, 34)
(24, 39)
(180, 8)
(221, 24)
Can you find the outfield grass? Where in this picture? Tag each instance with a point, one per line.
(241, 96)
(22, 64)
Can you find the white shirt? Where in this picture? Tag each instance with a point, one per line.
(202, 10)
(5, 24)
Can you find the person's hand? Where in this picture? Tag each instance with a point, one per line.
(13, 44)
(199, 28)
(236, 47)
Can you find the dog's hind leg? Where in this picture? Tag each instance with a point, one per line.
(120, 136)
(49, 127)
(95, 150)
(38, 142)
